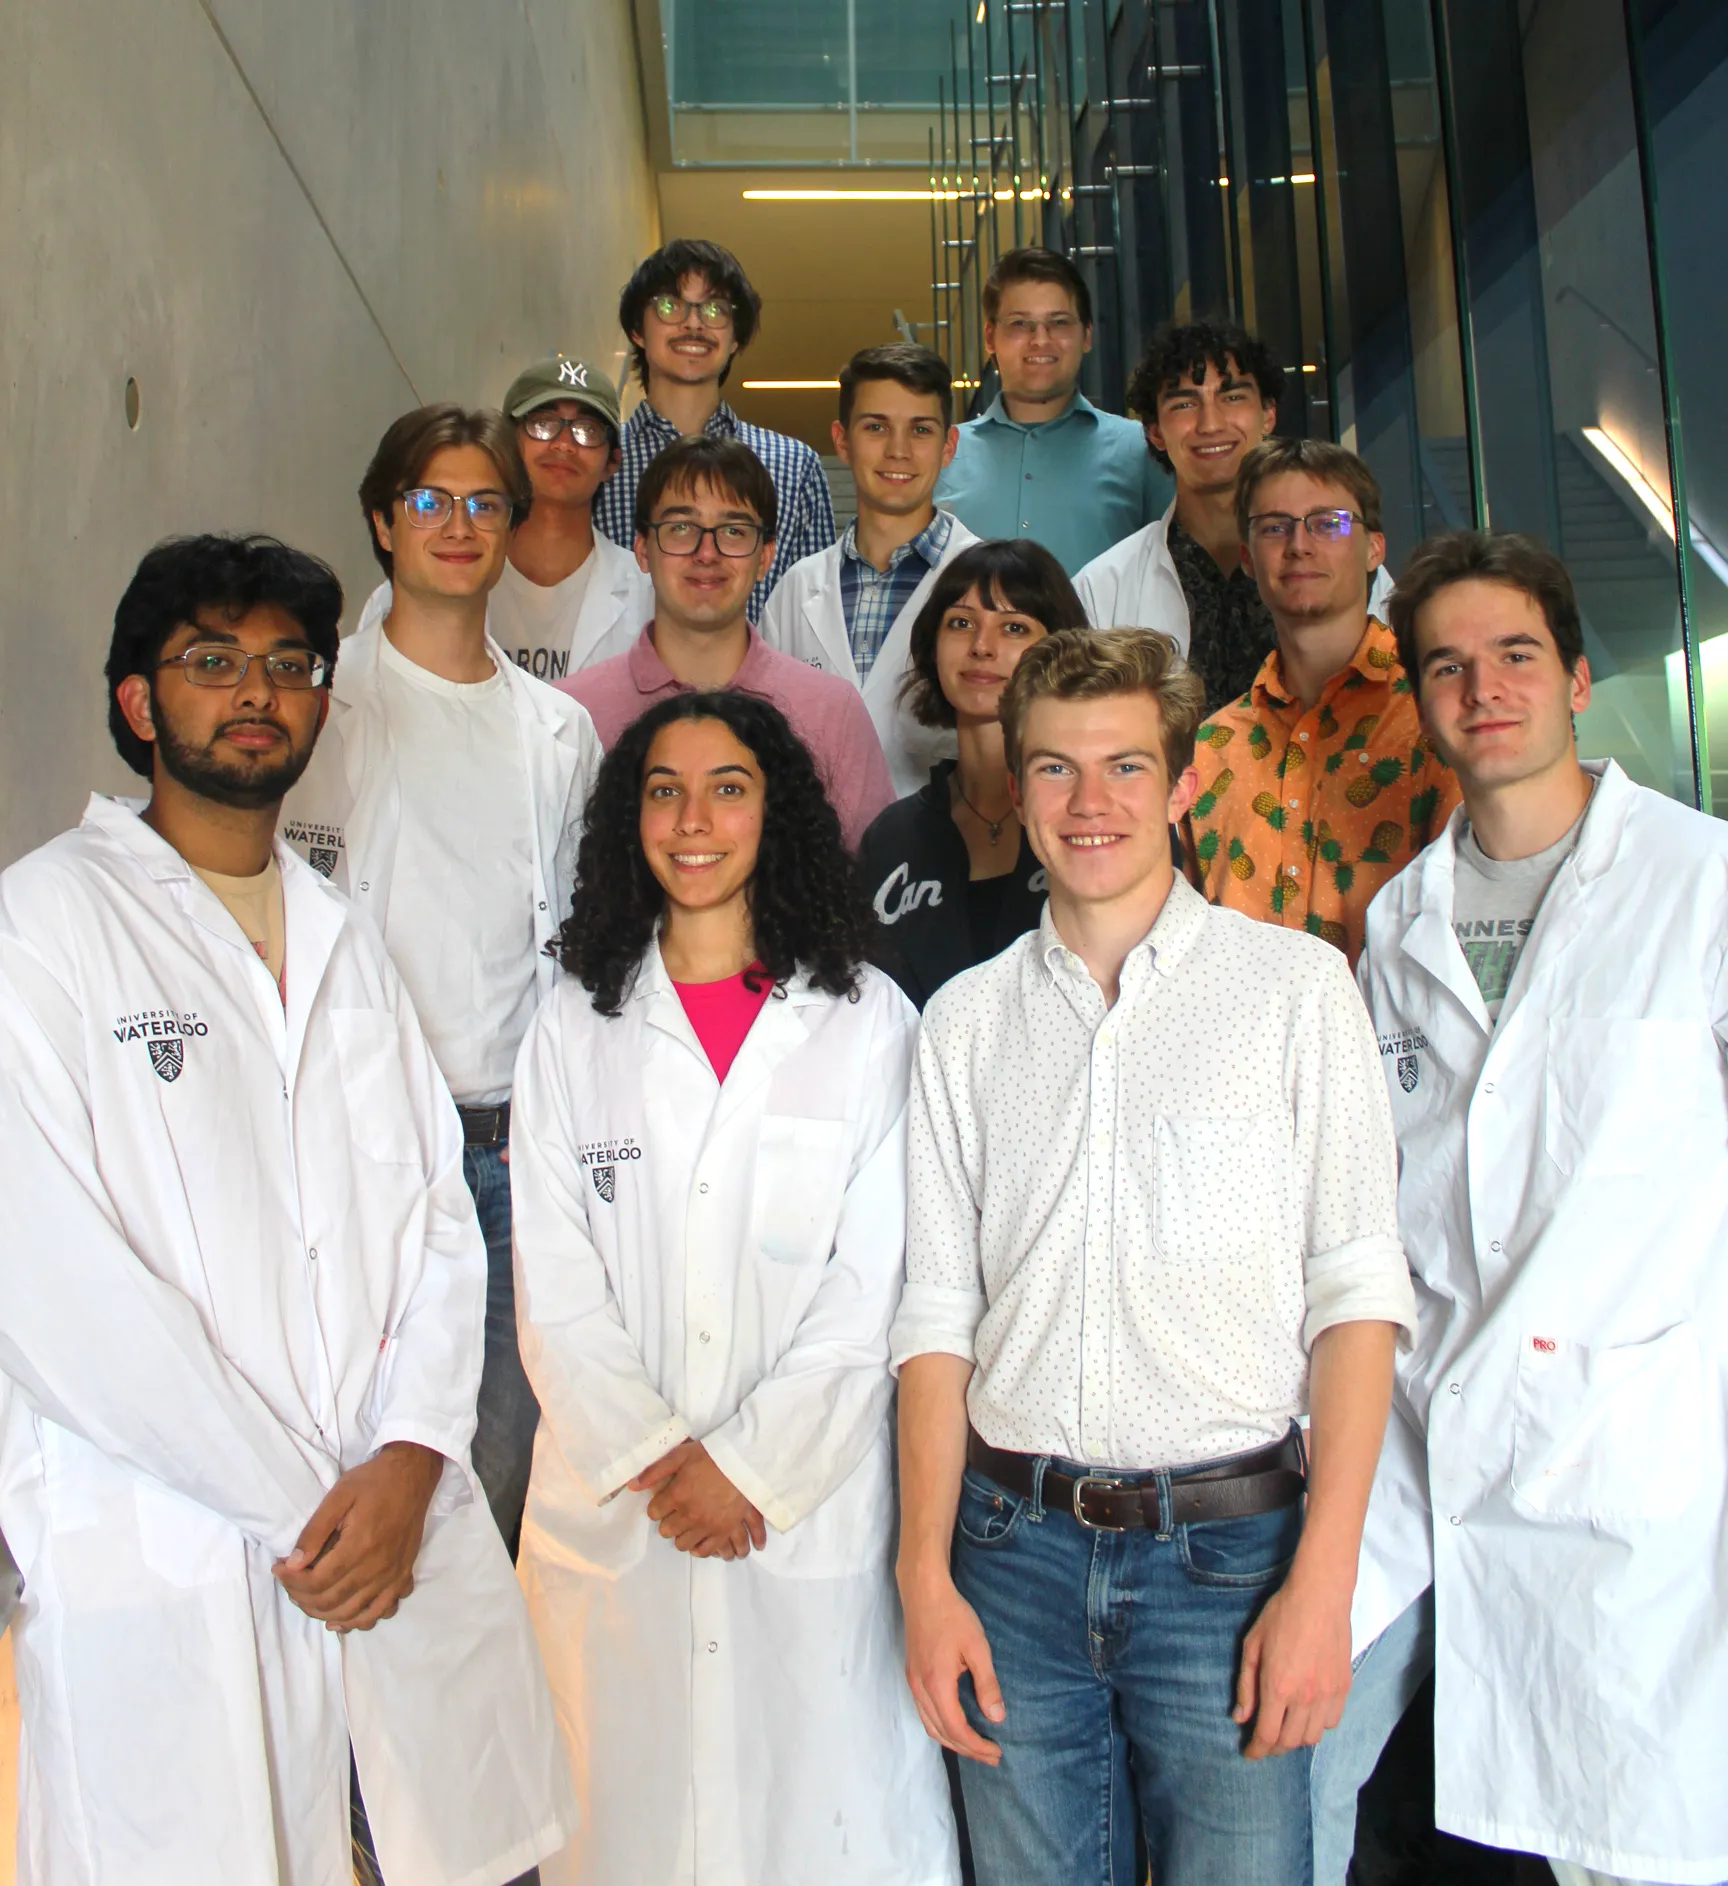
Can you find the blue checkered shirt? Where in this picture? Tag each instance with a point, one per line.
(872, 599)
(806, 509)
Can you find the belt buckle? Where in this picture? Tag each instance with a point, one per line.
(1080, 1485)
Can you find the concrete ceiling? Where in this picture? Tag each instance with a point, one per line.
(830, 276)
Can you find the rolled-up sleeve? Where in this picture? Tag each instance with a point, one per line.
(944, 1300)
(1346, 1165)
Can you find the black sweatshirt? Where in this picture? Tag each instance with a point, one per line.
(933, 918)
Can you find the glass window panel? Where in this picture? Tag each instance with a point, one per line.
(1686, 72)
(750, 52)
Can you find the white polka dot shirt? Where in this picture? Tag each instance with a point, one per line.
(1137, 1220)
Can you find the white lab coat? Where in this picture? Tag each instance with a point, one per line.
(239, 1259)
(1563, 1199)
(722, 1262)
(345, 815)
(1134, 585)
(617, 605)
(805, 618)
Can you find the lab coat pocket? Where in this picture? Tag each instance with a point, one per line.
(1623, 1093)
(799, 1186)
(1609, 1433)
(369, 1052)
(1212, 1180)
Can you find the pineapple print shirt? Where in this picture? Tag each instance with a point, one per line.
(1304, 813)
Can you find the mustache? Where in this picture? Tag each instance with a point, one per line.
(253, 720)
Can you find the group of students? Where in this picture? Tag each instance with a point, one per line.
(1131, 1375)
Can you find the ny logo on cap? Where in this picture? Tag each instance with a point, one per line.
(572, 373)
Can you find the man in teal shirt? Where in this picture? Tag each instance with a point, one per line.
(1043, 461)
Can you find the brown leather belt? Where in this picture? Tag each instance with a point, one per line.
(1265, 1481)
(486, 1126)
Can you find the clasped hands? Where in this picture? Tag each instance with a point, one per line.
(697, 1507)
(353, 1563)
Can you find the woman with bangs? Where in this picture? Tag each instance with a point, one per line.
(708, 1162)
(947, 869)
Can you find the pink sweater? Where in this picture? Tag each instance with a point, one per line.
(826, 713)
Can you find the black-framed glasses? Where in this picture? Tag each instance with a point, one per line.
(1278, 527)
(682, 537)
(428, 506)
(674, 310)
(221, 665)
(583, 431)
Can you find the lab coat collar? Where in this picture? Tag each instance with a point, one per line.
(313, 914)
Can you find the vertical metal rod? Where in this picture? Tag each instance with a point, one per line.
(1013, 122)
(1442, 39)
(989, 129)
(1322, 222)
(1038, 107)
(938, 200)
(1227, 158)
(1691, 653)
(852, 77)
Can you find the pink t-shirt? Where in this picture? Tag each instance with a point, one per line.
(826, 713)
(722, 1013)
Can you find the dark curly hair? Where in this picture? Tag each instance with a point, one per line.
(1194, 348)
(663, 273)
(806, 909)
(1008, 573)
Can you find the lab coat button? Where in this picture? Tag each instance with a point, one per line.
(712, 1647)
(313, 1254)
(1456, 1390)
(702, 1336)
(1487, 1087)
(542, 903)
(1456, 1520)
(364, 885)
(703, 1187)
(1495, 1245)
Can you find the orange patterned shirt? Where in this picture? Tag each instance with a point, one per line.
(1304, 814)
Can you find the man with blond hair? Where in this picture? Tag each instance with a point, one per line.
(1152, 1221)
(1318, 785)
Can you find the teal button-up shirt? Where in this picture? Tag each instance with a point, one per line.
(1077, 484)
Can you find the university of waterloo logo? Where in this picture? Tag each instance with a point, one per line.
(1405, 1050)
(164, 1033)
(602, 1158)
(320, 845)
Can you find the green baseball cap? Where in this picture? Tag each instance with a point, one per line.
(562, 377)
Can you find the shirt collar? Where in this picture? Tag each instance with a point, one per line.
(722, 423)
(927, 546)
(1162, 948)
(1078, 407)
(650, 675)
(1375, 660)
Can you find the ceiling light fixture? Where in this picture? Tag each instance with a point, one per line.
(790, 386)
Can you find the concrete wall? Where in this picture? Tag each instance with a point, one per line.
(286, 224)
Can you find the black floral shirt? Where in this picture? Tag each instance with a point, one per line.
(1229, 630)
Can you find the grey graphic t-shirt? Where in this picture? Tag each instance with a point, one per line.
(1494, 904)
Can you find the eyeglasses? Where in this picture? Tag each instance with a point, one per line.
(1024, 328)
(1277, 527)
(681, 538)
(428, 506)
(546, 427)
(674, 310)
(220, 665)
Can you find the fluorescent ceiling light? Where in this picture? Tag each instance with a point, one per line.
(789, 386)
(1652, 499)
(880, 196)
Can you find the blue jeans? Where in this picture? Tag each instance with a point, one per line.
(1383, 1681)
(508, 1413)
(1106, 1643)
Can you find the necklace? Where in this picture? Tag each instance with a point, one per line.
(992, 826)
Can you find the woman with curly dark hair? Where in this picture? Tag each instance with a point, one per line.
(708, 1163)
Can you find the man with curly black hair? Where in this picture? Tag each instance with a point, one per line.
(708, 1161)
(688, 311)
(1205, 393)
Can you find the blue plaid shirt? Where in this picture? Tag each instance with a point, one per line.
(806, 509)
(872, 599)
